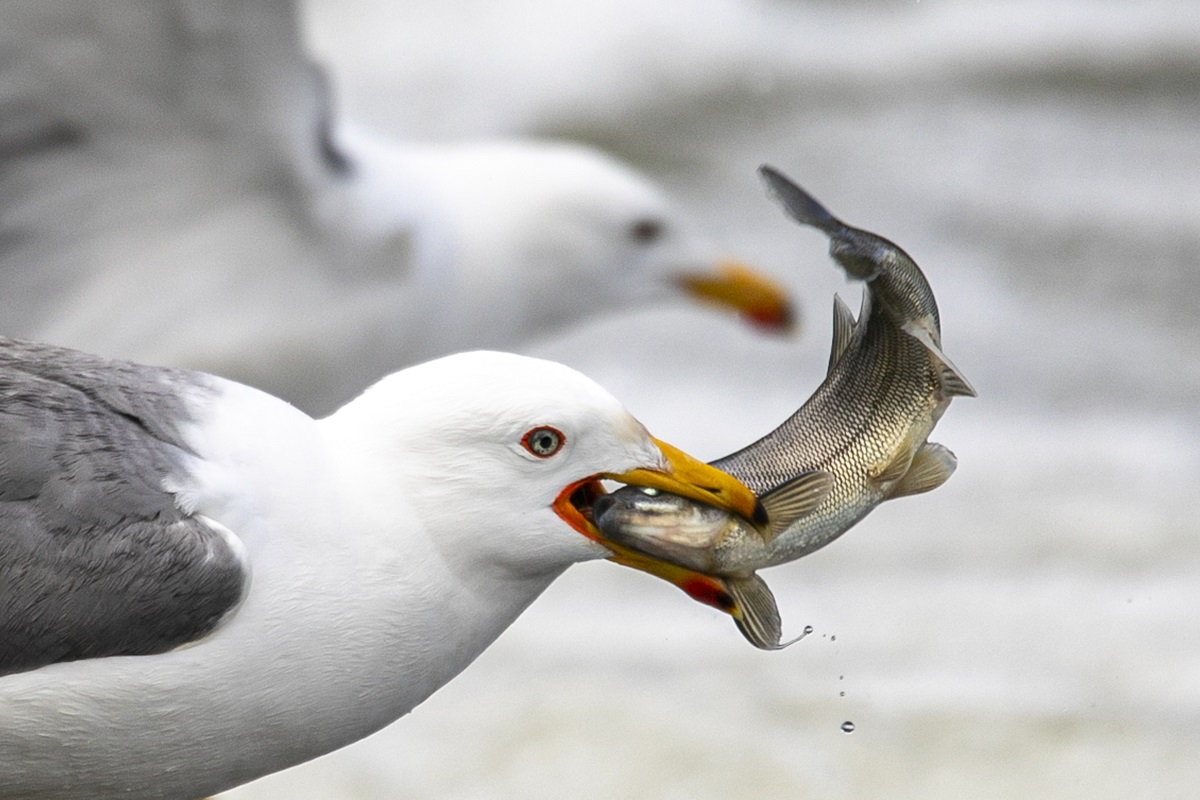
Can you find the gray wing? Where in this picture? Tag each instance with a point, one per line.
(174, 160)
(95, 558)
(124, 119)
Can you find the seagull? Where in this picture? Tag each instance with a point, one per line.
(200, 584)
(176, 189)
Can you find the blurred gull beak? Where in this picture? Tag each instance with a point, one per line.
(755, 297)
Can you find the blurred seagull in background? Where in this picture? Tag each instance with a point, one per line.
(175, 189)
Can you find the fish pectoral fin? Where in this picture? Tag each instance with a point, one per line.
(789, 501)
(954, 383)
(843, 329)
(755, 611)
(931, 467)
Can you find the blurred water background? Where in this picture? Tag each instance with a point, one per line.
(1028, 630)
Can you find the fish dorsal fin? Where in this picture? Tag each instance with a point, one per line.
(931, 467)
(954, 383)
(789, 501)
(843, 329)
(755, 611)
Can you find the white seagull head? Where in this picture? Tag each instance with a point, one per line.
(509, 452)
(517, 238)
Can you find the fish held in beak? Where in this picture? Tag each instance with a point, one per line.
(713, 543)
(758, 299)
(684, 476)
(860, 440)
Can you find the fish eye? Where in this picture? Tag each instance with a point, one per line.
(646, 230)
(543, 441)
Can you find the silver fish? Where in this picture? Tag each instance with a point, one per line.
(858, 441)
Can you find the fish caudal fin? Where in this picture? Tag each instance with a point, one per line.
(932, 466)
(755, 611)
(856, 250)
(788, 502)
(799, 204)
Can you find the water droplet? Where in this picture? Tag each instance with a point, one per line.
(847, 727)
(807, 630)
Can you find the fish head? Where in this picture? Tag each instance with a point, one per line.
(664, 526)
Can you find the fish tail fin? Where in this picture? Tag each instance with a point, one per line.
(788, 502)
(799, 204)
(954, 383)
(932, 466)
(854, 249)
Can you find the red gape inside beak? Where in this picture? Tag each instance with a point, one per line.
(685, 476)
(574, 505)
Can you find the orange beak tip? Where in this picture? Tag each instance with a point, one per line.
(757, 298)
(779, 321)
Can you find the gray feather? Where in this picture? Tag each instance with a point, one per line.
(95, 557)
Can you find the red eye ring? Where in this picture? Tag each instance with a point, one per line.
(543, 441)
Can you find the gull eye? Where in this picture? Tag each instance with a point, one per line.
(646, 230)
(544, 441)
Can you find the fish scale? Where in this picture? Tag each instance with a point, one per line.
(859, 440)
(843, 431)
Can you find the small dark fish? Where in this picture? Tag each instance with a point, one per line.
(858, 441)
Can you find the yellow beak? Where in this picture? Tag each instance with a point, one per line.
(686, 476)
(753, 295)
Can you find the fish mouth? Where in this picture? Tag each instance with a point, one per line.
(686, 476)
(758, 299)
